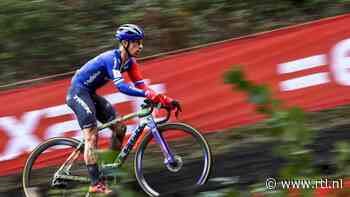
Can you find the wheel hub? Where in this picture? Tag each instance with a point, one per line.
(175, 167)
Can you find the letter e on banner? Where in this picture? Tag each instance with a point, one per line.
(340, 63)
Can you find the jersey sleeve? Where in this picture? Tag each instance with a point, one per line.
(118, 80)
(136, 77)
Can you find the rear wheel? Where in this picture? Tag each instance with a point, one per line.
(191, 152)
(44, 163)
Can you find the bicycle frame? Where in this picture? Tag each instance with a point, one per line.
(146, 120)
(149, 121)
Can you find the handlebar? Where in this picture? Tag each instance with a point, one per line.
(150, 105)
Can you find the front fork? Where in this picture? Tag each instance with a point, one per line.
(168, 155)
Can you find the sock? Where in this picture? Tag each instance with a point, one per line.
(94, 173)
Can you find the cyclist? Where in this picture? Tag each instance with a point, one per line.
(89, 107)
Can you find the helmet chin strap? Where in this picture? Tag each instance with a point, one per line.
(127, 49)
(128, 53)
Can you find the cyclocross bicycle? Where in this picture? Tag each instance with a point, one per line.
(169, 155)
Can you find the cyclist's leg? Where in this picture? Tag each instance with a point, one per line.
(105, 113)
(82, 105)
(97, 184)
(119, 130)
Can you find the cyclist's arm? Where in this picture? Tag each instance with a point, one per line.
(136, 77)
(122, 86)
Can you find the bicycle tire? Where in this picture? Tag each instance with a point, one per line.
(28, 168)
(163, 129)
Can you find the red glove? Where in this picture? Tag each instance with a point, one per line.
(152, 95)
(158, 98)
(171, 103)
(165, 101)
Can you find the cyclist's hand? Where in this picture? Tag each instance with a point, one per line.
(171, 104)
(153, 96)
(165, 101)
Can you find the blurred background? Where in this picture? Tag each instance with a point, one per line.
(59, 36)
(258, 126)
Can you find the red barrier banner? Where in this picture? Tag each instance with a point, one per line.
(306, 65)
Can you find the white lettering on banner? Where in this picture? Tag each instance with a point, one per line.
(339, 67)
(302, 64)
(59, 129)
(22, 132)
(59, 110)
(305, 81)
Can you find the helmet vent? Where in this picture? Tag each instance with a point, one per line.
(138, 31)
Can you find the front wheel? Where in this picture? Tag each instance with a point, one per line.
(191, 152)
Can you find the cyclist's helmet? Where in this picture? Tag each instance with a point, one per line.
(129, 32)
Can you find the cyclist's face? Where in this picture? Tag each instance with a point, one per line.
(135, 47)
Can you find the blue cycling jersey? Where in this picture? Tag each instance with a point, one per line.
(104, 67)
